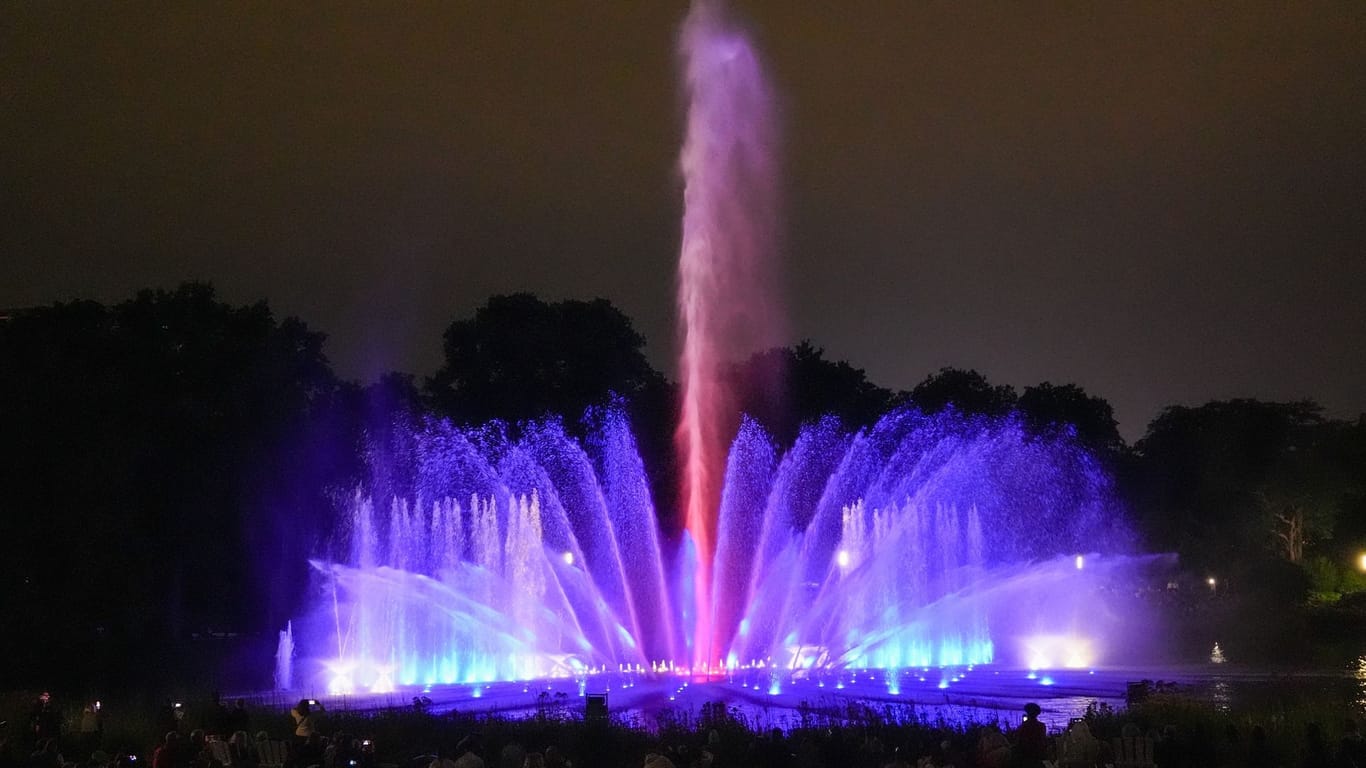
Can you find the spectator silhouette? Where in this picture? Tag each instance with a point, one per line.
(305, 724)
(166, 755)
(242, 751)
(1031, 739)
(993, 751)
(512, 756)
(238, 718)
(46, 720)
(1077, 747)
(554, 758)
(467, 752)
(1259, 754)
(1352, 748)
(46, 756)
(1316, 754)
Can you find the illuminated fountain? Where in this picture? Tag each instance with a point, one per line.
(924, 541)
(499, 554)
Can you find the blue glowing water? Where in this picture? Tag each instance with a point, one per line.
(925, 541)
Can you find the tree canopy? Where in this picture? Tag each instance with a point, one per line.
(966, 391)
(1051, 406)
(146, 444)
(1227, 478)
(520, 357)
(784, 387)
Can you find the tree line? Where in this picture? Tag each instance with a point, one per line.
(169, 462)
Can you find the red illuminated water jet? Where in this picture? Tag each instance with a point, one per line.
(726, 303)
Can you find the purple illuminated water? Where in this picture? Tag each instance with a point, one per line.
(725, 297)
(926, 541)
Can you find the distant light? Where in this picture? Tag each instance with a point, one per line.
(1211, 582)
(1081, 562)
(843, 558)
(384, 680)
(1362, 562)
(568, 558)
(340, 681)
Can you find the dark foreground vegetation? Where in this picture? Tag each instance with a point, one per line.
(1168, 727)
(168, 464)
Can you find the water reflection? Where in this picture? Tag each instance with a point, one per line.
(1361, 681)
(1221, 695)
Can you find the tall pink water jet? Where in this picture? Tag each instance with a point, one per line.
(726, 295)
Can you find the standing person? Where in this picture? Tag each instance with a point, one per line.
(166, 720)
(214, 719)
(1316, 751)
(1352, 748)
(46, 721)
(92, 727)
(1031, 739)
(304, 723)
(238, 718)
(1260, 754)
(167, 755)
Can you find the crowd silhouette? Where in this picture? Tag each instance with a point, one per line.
(219, 736)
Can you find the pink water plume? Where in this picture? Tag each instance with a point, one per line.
(726, 297)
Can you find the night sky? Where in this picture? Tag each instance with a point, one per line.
(1162, 202)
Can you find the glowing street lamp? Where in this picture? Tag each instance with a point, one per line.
(1211, 582)
(1361, 562)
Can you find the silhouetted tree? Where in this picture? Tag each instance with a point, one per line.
(154, 451)
(1050, 406)
(967, 391)
(520, 357)
(1229, 479)
(784, 387)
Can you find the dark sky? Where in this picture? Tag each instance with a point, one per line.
(1162, 202)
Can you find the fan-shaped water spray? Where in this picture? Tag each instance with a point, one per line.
(924, 541)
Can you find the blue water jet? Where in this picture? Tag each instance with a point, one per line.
(923, 541)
